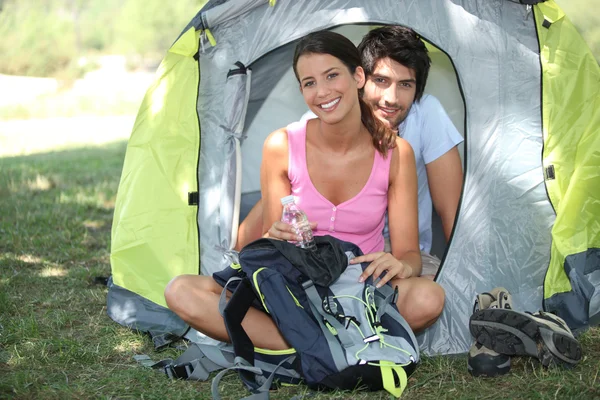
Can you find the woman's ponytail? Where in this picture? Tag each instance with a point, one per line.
(383, 137)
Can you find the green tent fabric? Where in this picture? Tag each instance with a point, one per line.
(571, 158)
(155, 233)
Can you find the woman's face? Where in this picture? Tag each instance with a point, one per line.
(329, 88)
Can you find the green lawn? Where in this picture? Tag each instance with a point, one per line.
(56, 341)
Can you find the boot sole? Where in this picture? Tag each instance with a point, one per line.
(514, 333)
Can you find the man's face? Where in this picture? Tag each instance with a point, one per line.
(390, 91)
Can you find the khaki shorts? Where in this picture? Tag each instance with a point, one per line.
(430, 263)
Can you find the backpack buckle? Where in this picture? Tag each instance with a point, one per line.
(350, 320)
(307, 284)
(372, 338)
(395, 295)
(179, 371)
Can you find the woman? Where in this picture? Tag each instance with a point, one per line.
(345, 168)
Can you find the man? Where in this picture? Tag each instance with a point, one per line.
(396, 65)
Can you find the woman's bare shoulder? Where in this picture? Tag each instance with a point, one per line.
(402, 156)
(276, 142)
(403, 148)
(402, 152)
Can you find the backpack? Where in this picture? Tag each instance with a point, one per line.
(344, 334)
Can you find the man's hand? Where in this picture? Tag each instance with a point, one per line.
(380, 263)
(282, 231)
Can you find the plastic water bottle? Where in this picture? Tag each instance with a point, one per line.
(295, 217)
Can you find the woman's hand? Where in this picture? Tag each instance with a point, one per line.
(380, 263)
(282, 231)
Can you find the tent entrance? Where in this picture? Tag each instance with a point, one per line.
(275, 101)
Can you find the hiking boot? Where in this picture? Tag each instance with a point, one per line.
(541, 335)
(486, 362)
(483, 361)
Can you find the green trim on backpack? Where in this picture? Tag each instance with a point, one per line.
(387, 376)
(274, 352)
(255, 281)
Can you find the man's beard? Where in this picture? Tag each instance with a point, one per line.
(403, 116)
(394, 125)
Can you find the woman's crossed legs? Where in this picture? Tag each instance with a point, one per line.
(195, 299)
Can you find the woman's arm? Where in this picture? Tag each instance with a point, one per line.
(250, 228)
(405, 260)
(402, 207)
(275, 184)
(274, 180)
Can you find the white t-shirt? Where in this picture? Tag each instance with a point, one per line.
(431, 134)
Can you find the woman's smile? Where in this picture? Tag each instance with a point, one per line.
(331, 105)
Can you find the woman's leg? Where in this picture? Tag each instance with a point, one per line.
(420, 301)
(195, 299)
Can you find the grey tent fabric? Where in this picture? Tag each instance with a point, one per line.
(494, 50)
(583, 302)
(237, 89)
(229, 11)
(141, 314)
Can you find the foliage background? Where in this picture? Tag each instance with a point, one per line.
(49, 37)
(583, 13)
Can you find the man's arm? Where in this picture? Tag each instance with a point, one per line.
(445, 176)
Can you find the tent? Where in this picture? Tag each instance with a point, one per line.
(517, 80)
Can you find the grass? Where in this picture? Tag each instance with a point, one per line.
(56, 341)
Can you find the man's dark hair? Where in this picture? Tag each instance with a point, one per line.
(402, 45)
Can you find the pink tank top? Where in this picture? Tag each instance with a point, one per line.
(359, 220)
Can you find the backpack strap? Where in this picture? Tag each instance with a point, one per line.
(393, 384)
(384, 306)
(196, 363)
(233, 313)
(223, 297)
(316, 306)
(317, 309)
(261, 393)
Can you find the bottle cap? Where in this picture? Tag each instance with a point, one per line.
(287, 199)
